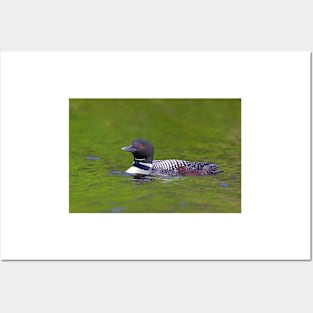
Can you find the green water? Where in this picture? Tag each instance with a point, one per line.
(188, 129)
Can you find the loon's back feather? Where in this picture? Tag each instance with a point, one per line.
(183, 167)
(168, 164)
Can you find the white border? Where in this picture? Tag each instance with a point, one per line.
(275, 93)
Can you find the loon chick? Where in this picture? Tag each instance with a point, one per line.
(144, 165)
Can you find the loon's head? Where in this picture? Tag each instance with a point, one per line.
(143, 151)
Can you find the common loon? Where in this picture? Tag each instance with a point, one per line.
(144, 165)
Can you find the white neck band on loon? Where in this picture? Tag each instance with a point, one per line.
(140, 168)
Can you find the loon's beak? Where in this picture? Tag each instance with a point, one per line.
(129, 148)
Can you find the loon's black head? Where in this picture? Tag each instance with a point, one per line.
(142, 150)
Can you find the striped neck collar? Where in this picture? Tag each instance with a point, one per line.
(139, 167)
(135, 159)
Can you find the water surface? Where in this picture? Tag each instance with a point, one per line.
(189, 129)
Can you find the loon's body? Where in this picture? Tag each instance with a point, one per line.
(144, 165)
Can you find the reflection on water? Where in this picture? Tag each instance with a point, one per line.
(119, 173)
(92, 158)
(117, 210)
